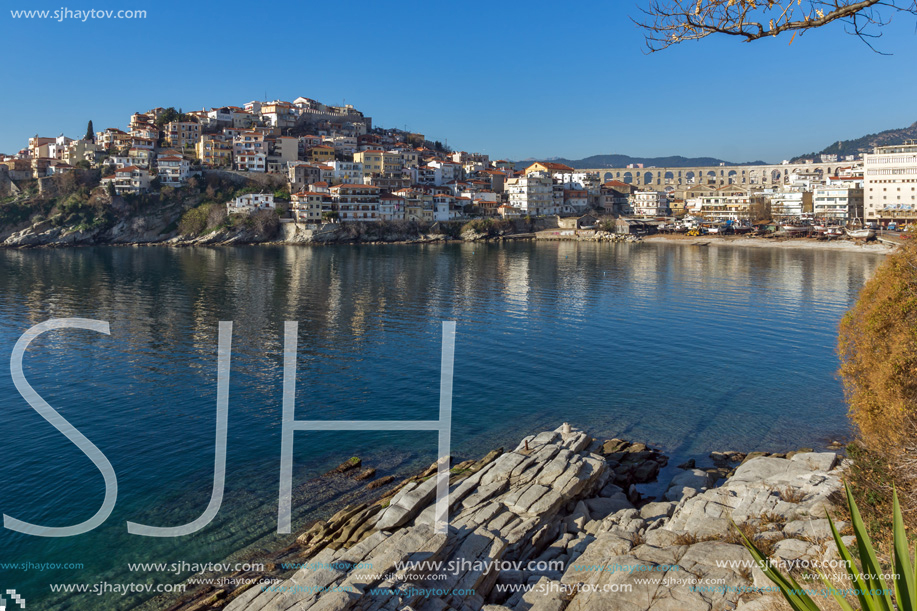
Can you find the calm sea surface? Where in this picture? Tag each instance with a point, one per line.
(692, 349)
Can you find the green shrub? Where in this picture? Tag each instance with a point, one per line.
(869, 587)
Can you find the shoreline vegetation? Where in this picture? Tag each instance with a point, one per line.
(558, 502)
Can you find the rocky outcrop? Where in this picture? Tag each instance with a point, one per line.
(556, 524)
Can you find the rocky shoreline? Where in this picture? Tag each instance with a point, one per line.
(547, 526)
(45, 235)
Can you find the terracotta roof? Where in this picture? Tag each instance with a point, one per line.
(355, 186)
(552, 166)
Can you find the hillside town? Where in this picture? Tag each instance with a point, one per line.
(337, 168)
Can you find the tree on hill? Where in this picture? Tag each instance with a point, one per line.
(170, 114)
(669, 22)
(90, 133)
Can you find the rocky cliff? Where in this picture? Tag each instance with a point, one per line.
(557, 524)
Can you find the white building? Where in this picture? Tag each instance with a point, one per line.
(786, 204)
(444, 207)
(890, 184)
(838, 200)
(173, 170)
(129, 180)
(449, 170)
(251, 202)
(346, 171)
(250, 161)
(58, 148)
(532, 194)
(650, 203)
(392, 208)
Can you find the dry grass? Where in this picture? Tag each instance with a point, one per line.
(733, 536)
(791, 495)
(769, 518)
(687, 539)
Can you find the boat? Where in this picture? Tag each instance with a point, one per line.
(864, 233)
(860, 230)
(796, 228)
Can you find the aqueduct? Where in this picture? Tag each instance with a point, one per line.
(718, 176)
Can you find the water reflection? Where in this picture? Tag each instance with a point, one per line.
(690, 348)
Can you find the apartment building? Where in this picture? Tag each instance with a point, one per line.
(356, 202)
(173, 171)
(650, 203)
(214, 151)
(129, 180)
(890, 184)
(533, 194)
(839, 199)
(308, 206)
(182, 134)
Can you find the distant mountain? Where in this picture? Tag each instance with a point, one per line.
(621, 161)
(865, 144)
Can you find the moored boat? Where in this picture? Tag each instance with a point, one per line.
(863, 233)
(858, 230)
(796, 228)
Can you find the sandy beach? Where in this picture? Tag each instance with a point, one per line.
(755, 242)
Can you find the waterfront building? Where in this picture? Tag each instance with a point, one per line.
(727, 203)
(356, 202)
(650, 203)
(788, 204)
(129, 180)
(251, 202)
(839, 199)
(308, 206)
(614, 197)
(533, 194)
(391, 208)
(890, 184)
(576, 201)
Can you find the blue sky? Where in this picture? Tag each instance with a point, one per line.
(514, 80)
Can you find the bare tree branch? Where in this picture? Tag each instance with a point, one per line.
(669, 22)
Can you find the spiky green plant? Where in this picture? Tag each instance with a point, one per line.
(869, 586)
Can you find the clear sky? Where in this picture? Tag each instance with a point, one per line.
(511, 79)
